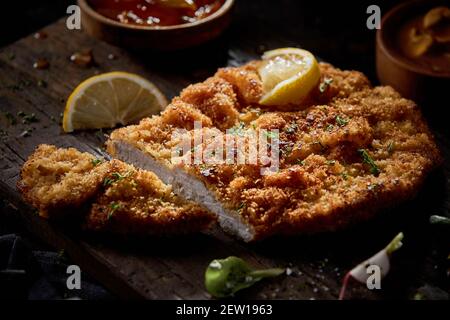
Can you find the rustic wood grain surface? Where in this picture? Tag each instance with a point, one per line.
(174, 268)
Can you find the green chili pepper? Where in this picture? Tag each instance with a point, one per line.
(225, 277)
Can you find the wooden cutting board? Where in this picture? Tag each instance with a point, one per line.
(174, 268)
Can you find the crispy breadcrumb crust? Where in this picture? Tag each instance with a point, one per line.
(53, 179)
(323, 182)
(119, 197)
(138, 202)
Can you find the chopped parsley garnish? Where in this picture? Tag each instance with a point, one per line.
(368, 160)
(114, 207)
(325, 84)
(96, 162)
(344, 175)
(271, 134)
(331, 162)
(341, 121)
(329, 127)
(301, 162)
(115, 176)
(107, 182)
(240, 207)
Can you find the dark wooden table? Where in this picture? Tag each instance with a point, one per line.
(174, 268)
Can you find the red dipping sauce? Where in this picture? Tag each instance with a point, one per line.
(156, 12)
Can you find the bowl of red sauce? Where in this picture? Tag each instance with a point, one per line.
(155, 24)
(413, 50)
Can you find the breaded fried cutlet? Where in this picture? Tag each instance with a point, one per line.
(120, 198)
(138, 202)
(347, 152)
(53, 179)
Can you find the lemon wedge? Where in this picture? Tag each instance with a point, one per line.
(109, 99)
(288, 75)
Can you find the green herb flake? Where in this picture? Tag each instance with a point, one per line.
(118, 176)
(367, 159)
(240, 207)
(115, 177)
(329, 127)
(107, 182)
(114, 207)
(271, 135)
(96, 162)
(341, 121)
(331, 162)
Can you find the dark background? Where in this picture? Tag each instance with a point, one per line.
(333, 30)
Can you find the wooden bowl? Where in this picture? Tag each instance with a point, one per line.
(155, 37)
(420, 84)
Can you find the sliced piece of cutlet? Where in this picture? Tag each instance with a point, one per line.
(119, 198)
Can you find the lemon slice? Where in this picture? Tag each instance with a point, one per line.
(288, 76)
(109, 99)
